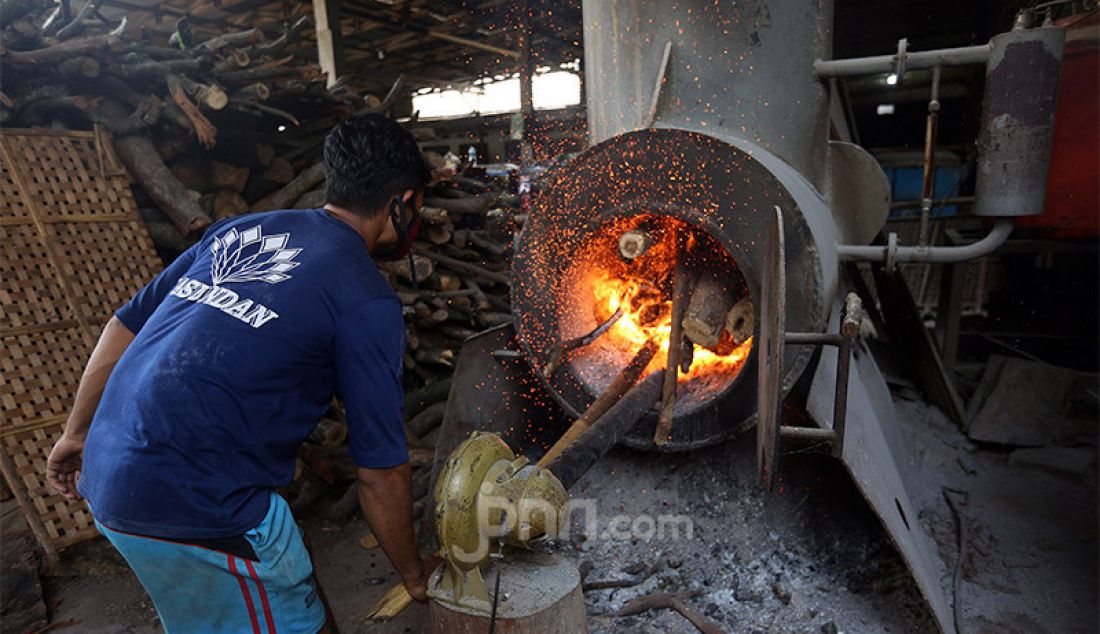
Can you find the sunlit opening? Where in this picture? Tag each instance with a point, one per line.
(494, 95)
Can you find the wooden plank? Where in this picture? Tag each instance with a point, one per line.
(77, 134)
(38, 328)
(45, 423)
(44, 235)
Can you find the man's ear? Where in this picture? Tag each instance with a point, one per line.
(407, 196)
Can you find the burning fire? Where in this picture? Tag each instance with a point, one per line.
(642, 291)
(647, 315)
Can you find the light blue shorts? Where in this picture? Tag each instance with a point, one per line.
(203, 590)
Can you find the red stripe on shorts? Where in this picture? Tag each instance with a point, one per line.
(232, 562)
(263, 598)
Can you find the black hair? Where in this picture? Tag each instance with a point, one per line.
(369, 159)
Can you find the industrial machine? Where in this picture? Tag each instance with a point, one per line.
(677, 279)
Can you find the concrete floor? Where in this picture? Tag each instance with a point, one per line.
(810, 558)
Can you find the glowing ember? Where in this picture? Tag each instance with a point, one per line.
(642, 289)
(647, 315)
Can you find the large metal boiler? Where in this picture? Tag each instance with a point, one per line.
(713, 118)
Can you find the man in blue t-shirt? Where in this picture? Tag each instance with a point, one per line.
(203, 386)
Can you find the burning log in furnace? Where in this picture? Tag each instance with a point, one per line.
(622, 303)
(740, 321)
(561, 350)
(711, 301)
(634, 243)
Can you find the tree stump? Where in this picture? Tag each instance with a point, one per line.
(540, 594)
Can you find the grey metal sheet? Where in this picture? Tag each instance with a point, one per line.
(858, 193)
(873, 455)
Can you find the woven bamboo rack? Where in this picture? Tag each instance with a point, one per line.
(74, 250)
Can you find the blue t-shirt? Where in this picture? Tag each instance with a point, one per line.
(241, 344)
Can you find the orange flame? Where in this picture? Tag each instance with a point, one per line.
(647, 315)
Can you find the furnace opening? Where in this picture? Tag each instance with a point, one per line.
(619, 288)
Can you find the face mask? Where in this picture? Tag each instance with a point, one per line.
(407, 223)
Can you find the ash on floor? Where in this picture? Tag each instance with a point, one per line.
(813, 557)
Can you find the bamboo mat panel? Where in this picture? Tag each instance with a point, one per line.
(74, 250)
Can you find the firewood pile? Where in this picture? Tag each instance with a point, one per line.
(461, 262)
(462, 265)
(185, 113)
(197, 124)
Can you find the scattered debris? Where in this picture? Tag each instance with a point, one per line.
(676, 602)
(369, 541)
(782, 592)
(391, 604)
(638, 577)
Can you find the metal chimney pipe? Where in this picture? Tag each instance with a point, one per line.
(739, 70)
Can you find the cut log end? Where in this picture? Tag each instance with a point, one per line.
(633, 244)
(214, 97)
(706, 314)
(440, 234)
(741, 321)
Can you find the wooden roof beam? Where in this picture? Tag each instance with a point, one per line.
(432, 33)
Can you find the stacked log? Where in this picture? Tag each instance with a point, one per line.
(463, 267)
(185, 112)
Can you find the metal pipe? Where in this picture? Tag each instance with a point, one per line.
(856, 66)
(915, 204)
(928, 178)
(895, 254)
(812, 339)
(598, 439)
(1017, 124)
(849, 329)
(810, 434)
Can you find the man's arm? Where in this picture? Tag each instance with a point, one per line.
(386, 498)
(63, 465)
